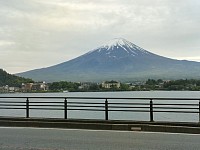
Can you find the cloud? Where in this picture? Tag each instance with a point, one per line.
(61, 30)
(6, 43)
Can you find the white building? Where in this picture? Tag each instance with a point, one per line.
(111, 84)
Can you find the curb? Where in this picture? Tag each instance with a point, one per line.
(171, 127)
(166, 128)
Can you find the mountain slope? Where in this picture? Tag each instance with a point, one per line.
(118, 59)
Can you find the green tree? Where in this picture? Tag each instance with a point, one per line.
(12, 80)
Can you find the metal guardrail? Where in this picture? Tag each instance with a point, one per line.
(105, 104)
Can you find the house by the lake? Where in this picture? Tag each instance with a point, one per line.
(111, 84)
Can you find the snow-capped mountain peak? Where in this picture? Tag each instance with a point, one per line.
(116, 42)
(118, 59)
(118, 46)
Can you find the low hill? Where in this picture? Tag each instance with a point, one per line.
(12, 80)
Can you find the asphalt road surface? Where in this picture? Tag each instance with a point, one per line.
(63, 139)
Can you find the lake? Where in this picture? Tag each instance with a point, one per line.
(112, 115)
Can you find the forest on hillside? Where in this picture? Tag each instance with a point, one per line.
(12, 80)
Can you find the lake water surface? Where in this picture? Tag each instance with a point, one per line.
(112, 115)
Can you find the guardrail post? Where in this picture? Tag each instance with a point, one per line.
(151, 110)
(65, 108)
(106, 109)
(199, 110)
(27, 108)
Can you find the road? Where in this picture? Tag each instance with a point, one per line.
(63, 139)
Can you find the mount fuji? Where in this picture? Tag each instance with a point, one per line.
(118, 59)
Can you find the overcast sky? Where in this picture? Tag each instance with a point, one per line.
(41, 33)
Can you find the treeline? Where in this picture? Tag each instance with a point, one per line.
(150, 84)
(12, 80)
(176, 85)
(63, 86)
(191, 85)
(83, 87)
